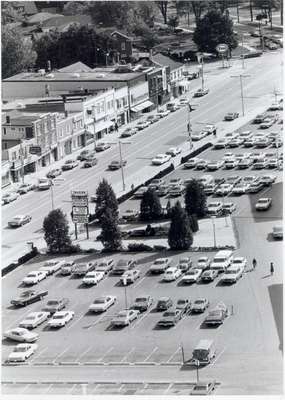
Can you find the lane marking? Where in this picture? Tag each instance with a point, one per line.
(74, 322)
(140, 319)
(60, 354)
(176, 351)
(84, 352)
(107, 352)
(151, 354)
(38, 355)
(126, 356)
(218, 356)
(138, 282)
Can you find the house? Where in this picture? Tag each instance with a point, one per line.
(26, 8)
(123, 44)
(39, 18)
(63, 23)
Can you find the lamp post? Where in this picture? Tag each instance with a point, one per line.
(22, 161)
(241, 76)
(94, 126)
(125, 292)
(242, 55)
(197, 363)
(214, 230)
(122, 167)
(51, 193)
(189, 127)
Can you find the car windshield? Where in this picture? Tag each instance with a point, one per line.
(17, 218)
(58, 316)
(19, 350)
(31, 275)
(99, 301)
(231, 271)
(159, 262)
(169, 314)
(26, 294)
(43, 180)
(238, 261)
(68, 161)
(31, 317)
(202, 260)
(141, 299)
(180, 302)
(123, 314)
(52, 303)
(200, 354)
(18, 333)
(214, 313)
(199, 301)
(219, 259)
(122, 263)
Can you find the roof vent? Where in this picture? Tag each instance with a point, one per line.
(100, 76)
(42, 71)
(50, 76)
(75, 75)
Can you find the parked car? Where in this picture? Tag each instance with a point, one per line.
(267, 123)
(60, 319)
(116, 164)
(140, 192)
(232, 274)
(55, 305)
(196, 136)
(170, 317)
(267, 180)
(25, 188)
(203, 388)
(191, 276)
(173, 151)
(52, 266)
(277, 232)
(93, 278)
(142, 303)
(124, 265)
(83, 155)
(172, 106)
(171, 274)
(224, 189)
(184, 264)
(241, 188)
(160, 265)
(240, 262)
(209, 275)
(162, 190)
(236, 142)
(215, 165)
(229, 208)
(233, 179)
(69, 164)
(203, 263)
(163, 113)
(201, 92)
(129, 132)
(215, 208)
(19, 220)
(245, 163)
(130, 276)
(201, 164)
(249, 142)
(217, 315)
(256, 187)
(210, 188)
(34, 319)
(21, 335)
(259, 118)
(143, 124)
(105, 265)
(156, 183)
(231, 116)
(28, 297)
(22, 352)
(81, 269)
(102, 146)
(125, 317)
(101, 304)
(164, 303)
(263, 204)
(184, 305)
(153, 118)
(9, 197)
(221, 144)
(176, 190)
(34, 277)
(160, 159)
(183, 101)
(200, 305)
(90, 161)
(191, 163)
(230, 164)
(67, 268)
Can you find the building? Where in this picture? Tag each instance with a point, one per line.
(176, 82)
(123, 45)
(26, 8)
(5, 174)
(63, 23)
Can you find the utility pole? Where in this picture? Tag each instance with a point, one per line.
(94, 126)
(189, 127)
(122, 167)
(202, 72)
(214, 230)
(242, 55)
(241, 76)
(22, 161)
(51, 193)
(237, 10)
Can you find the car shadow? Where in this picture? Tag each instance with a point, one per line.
(114, 328)
(9, 342)
(211, 327)
(223, 284)
(183, 283)
(83, 286)
(161, 328)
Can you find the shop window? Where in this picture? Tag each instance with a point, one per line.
(4, 131)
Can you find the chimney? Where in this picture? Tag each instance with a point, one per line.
(8, 119)
(49, 65)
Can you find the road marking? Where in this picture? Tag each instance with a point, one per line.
(74, 322)
(84, 352)
(71, 389)
(139, 282)
(22, 317)
(218, 356)
(60, 354)
(148, 357)
(140, 319)
(38, 355)
(176, 351)
(107, 352)
(126, 356)
(168, 388)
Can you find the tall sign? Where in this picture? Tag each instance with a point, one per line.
(80, 209)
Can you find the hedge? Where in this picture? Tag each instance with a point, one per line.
(26, 257)
(196, 152)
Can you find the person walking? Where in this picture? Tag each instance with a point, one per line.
(271, 268)
(116, 127)
(254, 263)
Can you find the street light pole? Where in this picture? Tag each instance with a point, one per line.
(51, 193)
(197, 363)
(241, 76)
(242, 55)
(122, 168)
(202, 72)
(94, 126)
(22, 162)
(214, 230)
(189, 127)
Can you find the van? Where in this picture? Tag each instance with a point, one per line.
(222, 260)
(172, 106)
(204, 352)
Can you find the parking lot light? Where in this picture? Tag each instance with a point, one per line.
(214, 229)
(197, 363)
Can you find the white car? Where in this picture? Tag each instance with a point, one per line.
(229, 207)
(221, 143)
(34, 277)
(215, 165)
(210, 128)
(263, 204)
(160, 159)
(160, 265)
(229, 156)
(239, 262)
(215, 208)
(203, 263)
(163, 113)
(192, 276)
(229, 164)
(34, 319)
(232, 274)
(173, 151)
(52, 266)
(102, 304)
(9, 197)
(130, 215)
(191, 163)
(125, 317)
(224, 189)
(19, 220)
(176, 190)
(183, 101)
(93, 277)
(105, 266)
(22, 352)
(171, 274)
(60, 318)
(241, 188)
(21, 335)
(130, 276)
(195, 136)
(143, 124)
(44, 183)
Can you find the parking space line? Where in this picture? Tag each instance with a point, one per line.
(72, 387)
(139, 282)
(38, 355)
(84, 352)
(218, 356)
(25, 388)
(176, 351)
(126, 356)
(168, 388)
(15, 323)
(148, 357)
(74, 322)
(60, 354)
(140, 319)
(107, 352)
(49, 387)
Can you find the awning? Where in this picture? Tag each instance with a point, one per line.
(183, 83)
(142, 106)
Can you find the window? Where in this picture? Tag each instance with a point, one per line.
(4, 131)
(12, 129)
(5, 145)
(118, 104)
(123, 46)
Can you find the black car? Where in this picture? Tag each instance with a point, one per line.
(164, 303)
(142, 303)
(184, 305)
(28, 297)
(54, 173)
(53, 306)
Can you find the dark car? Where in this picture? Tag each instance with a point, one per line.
(117, 165)
(170, 317)
(53, 306)
(54, 173)
(90, 161)
(84, 155)
(184, 305)
(231, 116)
(142, 303)
(123, 266)
(217, 315)
(164, 303)
(259, 119)
(28, 297)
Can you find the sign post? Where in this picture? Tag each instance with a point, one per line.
(197, 363)
(80, 209)
(222, 48)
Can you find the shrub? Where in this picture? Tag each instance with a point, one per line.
(139, 247)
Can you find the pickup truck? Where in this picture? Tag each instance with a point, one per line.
(28, 297)
(217, 315)
(53, 306)
(82, 268)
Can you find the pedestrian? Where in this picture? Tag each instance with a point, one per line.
(254, 263)
(271, 268)
(116, 127)
(215, 133)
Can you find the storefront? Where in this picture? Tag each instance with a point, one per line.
(5, 174)
(136, 111)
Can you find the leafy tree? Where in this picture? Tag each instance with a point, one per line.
(150, 208)
(214, 28)
(17, 53)
(180, 235)
(110, 13)
(111, 237)
(106, 200)
(195, 199)
(173, 21)
(193, 221)
(9, 13)
(56, 233)
(162, 6)
(75, 8)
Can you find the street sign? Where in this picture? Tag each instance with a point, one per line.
(35, 150)
(80, 219)
(80, 210)
(222, 48)
(79, 198)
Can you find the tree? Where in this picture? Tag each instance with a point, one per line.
(214, 28)
(173, 21)
(195, 199)
(56, 232)
(150, 208)
(111, 237)
(17, 53)
(193, 221)
(179, 235)
(75, 8)
(106, 200)
(162, 6)
(9, 13)
(110, 13)
(198, 7)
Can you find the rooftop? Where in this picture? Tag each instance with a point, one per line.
(19, 118)
(76, 67)
(61, 21)
(166, 61)
(41, 17)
